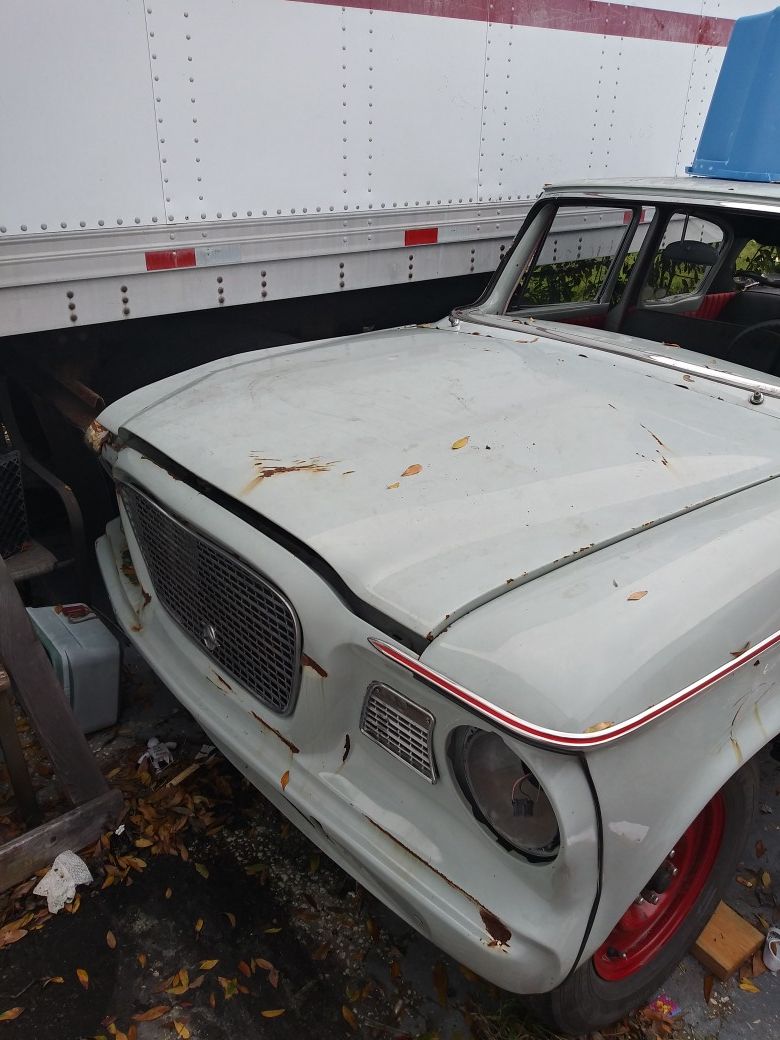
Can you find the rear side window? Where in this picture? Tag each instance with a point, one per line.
(575, 258)
(687, 254)
(758, 259)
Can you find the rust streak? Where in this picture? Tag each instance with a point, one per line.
(309, 662)
(496, 928)
(655, 436)
(295, 750)
(223, 682)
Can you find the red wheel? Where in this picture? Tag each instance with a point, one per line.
(653, 935)
(650, 922)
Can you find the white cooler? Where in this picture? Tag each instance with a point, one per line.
(85, 657)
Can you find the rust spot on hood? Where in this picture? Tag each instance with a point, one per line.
(95, 436)
(266, 468)
(309, 662)
(295, 750)
(498, 931)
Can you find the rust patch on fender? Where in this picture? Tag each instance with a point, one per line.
(309, 662)
(295, 750)
(266, 468)
(223, 682)
(498, 931)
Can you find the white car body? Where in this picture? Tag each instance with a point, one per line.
(591, 575)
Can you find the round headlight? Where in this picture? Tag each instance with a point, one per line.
(506, 794)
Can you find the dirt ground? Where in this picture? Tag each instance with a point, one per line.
(211, 917)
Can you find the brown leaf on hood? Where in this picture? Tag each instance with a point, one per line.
(412, 471)
(633, 596)
(461, 442)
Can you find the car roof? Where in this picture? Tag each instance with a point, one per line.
(751, 195)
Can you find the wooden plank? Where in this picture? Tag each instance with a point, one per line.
(15, 760)
(42, 698)
(727, 942)
(30, 852)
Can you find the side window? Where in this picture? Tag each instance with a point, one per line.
(575, 258)
(688, 251)
(758, 259)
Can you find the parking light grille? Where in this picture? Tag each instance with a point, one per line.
(239, 619)
(400, 727)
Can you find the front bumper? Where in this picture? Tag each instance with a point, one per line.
(414, 845)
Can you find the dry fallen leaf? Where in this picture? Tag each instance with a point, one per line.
(202, 869)
(766, 878)
(110, 940)
(597, 727)
(11, 936)
(168, 893)
(273, 977)
(231, 918)
(199, 925)
(760, 849)
(181, 1030)
(285, 778)
(11, 1014)
(748, 986)
(271, 931)
(229, 986)
(745, 882)
(260, 962)
(412, 471)
(397, 484)
(244, 968)
(152, 1013)
(349, 1017)
(636, 595)
(208, 965)
(440, 982)
(275, 1013)
(461, 442)
(709, 981)
(54, 978)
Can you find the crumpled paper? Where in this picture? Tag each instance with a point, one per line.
(59, 884)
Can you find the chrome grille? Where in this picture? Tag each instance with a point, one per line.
(237, 617)
(400, 727)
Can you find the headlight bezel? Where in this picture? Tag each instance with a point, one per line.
(461, 744)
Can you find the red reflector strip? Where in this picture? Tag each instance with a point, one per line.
(424, 236)
(168, 259)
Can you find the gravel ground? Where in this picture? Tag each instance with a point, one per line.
(298, 947)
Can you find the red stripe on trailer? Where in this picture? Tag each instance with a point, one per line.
(585, 16)
(424, 236)
(168, 259)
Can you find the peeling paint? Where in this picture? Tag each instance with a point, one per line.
(498, 931)
(266, 468)
(309, 662)
(295, 750)
(347, 746)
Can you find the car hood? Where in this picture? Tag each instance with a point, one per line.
(434, 469)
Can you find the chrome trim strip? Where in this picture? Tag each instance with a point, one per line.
(559, 739)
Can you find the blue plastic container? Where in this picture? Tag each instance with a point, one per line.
(741, 136)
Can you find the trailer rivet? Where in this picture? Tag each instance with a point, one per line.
(69, 294)
(123, 288)
(125, 299)
(63, 224)
(43, 227)
(2, 230)
(756, 397)
(74, 317)
(101, 223)
(219, 279)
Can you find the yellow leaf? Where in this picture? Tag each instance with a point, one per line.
(152, 1013)
(461, 442)
(349, 1017)
(748, 986)
(143, 843)
(231, 918)
(142, 959)
(202, 869)
(275, 1013)
(11, 1014)
(766, 878)
(271, 931)
(83, 977)
(285, 778)
(636, 595)
(412, 471)
(199, 924)
(390, 487)
(181, 1030)
(110, 940)
(168, 893)
(208, 965)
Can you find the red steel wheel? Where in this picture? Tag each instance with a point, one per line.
(646, 927)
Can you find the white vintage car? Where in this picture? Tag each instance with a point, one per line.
(490, 609)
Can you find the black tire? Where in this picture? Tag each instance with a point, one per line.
(585, 1001)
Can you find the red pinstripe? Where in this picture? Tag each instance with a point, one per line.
(558, 738)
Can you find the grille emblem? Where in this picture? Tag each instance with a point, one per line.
(208, 636)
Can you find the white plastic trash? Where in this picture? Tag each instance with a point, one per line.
(85, 656)
(159, 753)
(59, 884)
